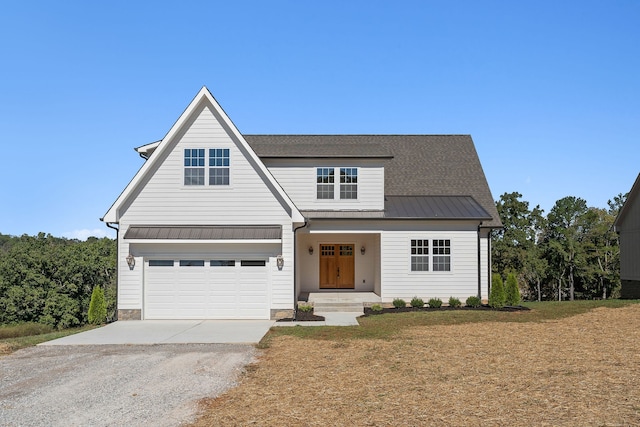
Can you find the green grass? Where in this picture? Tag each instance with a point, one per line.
(15, 337)
(388, 326)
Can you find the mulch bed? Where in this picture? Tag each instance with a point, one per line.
(303, 316)
(369, 312)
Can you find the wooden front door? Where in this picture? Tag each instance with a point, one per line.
(337, 267)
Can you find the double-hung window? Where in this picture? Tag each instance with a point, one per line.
(419, 255)
(442, 255)
(324, 183)
(219, 166)
(440, 258)
(194, 166)
(348, 183)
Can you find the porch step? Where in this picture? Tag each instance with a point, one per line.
(330, 307)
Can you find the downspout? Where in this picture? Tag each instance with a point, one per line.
(295, 262)
(489, 267)
(479, 265)
(117, 263)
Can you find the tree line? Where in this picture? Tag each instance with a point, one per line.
(571, 253)
(50, 280)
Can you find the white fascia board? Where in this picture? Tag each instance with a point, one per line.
(148, 149)
(204, 241)
(113, 216)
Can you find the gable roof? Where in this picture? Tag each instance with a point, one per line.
(633, 194)
(416, 165)
(203, 97)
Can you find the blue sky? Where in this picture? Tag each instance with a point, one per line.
(549, 90)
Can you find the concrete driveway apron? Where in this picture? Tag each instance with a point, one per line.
(171, 332)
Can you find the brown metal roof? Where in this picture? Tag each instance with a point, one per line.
(204, 232)
(417, 165)
(343, 214)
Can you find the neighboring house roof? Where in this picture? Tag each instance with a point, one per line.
(633, 194)
(418, 165)
(204, 232)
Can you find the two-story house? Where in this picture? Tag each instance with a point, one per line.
(220, 225)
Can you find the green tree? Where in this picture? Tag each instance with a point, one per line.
(511, 290)
(97, 307)
(497, 296)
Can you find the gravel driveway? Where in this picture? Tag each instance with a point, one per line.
(115, 385)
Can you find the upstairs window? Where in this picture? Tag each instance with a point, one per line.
(325, 183)
(348, 183)
(194, 166)
(419, 255)
(219, 166)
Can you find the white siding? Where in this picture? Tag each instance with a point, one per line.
(398, 281)
(164, 200)
(630, 241)
(298, 178)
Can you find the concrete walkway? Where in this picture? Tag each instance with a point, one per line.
(330, 319)
(171, 332)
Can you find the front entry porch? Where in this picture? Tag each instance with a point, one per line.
(326, 302)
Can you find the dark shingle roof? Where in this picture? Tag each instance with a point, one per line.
(418, 165)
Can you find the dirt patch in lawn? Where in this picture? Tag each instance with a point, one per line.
(577, 371)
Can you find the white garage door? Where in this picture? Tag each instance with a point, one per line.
(211, 288)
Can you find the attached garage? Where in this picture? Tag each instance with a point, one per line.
(206, 272)
(220, 288)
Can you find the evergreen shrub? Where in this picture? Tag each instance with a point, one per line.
(497, 297)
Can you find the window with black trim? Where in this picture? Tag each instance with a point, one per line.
(348, 183)
(194, 166)
(324, 183)
(419, 255)
(441, 255)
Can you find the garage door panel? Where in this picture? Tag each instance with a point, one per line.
(209, 291)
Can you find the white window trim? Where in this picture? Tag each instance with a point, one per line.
(206, 169)
(431, 255)
(336, 184)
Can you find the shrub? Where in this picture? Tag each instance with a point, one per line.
(435, 303)
(97, 307)
(497, 298)
(376, 308)
(454, 302)
(473, 301)
(417, 302)
(399, 303)
(511, 290)
(305, 308)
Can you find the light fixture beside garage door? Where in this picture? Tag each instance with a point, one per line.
(131, 261)
(280, 262)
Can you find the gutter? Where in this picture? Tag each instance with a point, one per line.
(295, 261)
(109, 224)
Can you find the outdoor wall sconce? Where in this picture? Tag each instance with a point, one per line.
(131, 261)
(362, 250)
(280, 262)
(310, 250)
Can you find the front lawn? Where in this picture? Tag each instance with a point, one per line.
(15, 337)
(562, 363)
